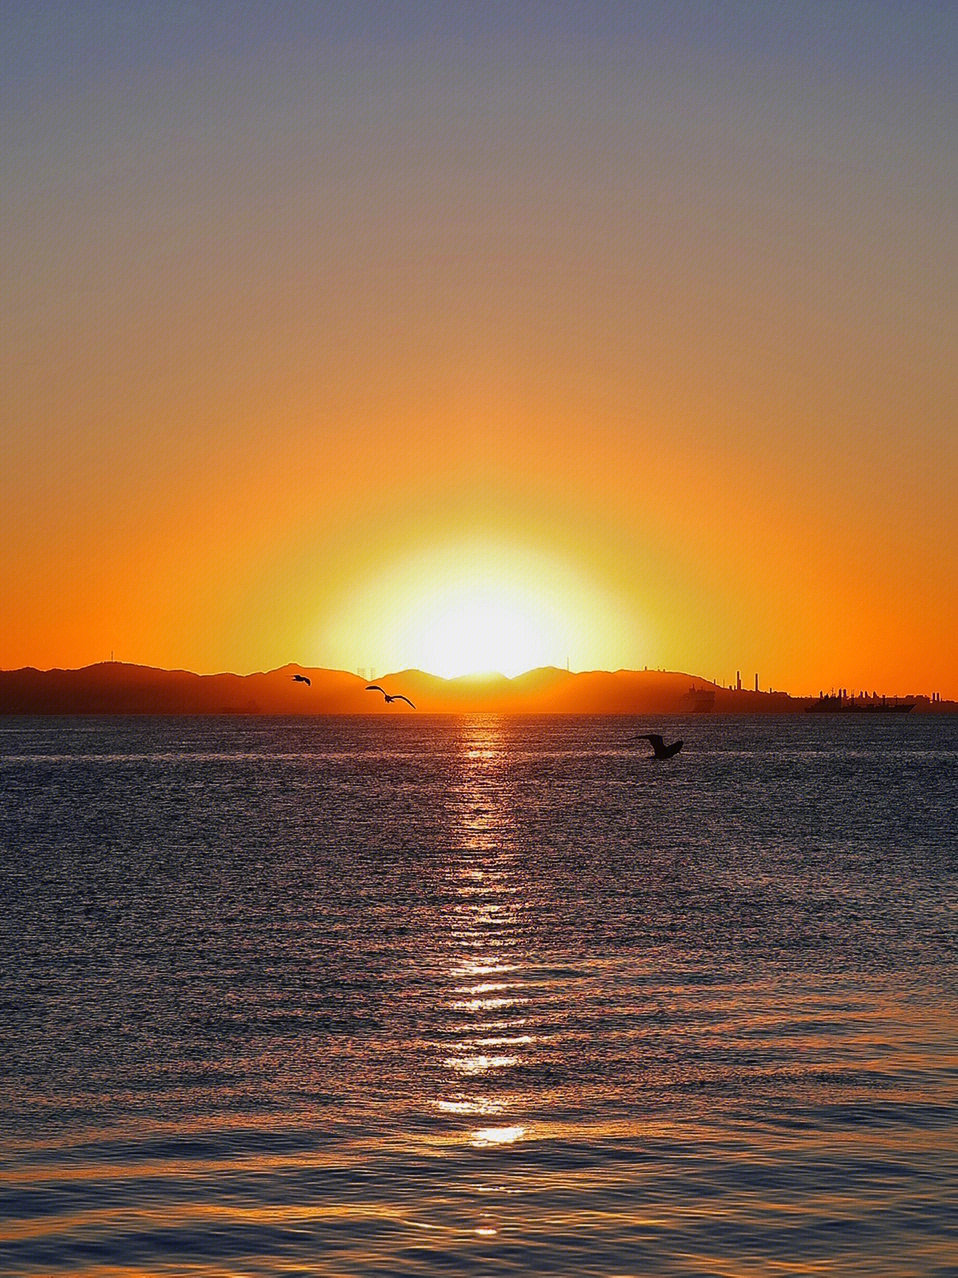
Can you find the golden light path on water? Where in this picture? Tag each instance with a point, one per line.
(489, 992)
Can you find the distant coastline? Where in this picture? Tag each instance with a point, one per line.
(118, 688)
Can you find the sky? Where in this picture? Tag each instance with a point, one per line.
(470, 336)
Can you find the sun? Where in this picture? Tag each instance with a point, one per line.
(477, 626)
(471, 608)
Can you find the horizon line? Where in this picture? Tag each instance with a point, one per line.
(848, 692)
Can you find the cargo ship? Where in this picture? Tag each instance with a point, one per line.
(858, 705)
(699, 700)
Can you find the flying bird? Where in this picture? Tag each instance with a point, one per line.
(659, 749)
(374, 687)
(303, 679)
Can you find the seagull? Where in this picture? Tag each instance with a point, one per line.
(303, 679)
(374, 687)
(659, 749)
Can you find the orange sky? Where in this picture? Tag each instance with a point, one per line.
(368, 336)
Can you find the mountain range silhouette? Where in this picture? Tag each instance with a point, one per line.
(118, 688)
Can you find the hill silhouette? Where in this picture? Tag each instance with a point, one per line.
(118, 688)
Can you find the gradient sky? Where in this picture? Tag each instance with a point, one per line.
(470, 335)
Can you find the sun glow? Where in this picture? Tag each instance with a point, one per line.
(474, 609)
(483, 626)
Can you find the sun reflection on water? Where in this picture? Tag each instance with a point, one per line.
(485, 1136)
(491, 990)
(481, 1107)
(478, 1064)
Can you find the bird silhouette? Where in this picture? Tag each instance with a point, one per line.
(303, 679)
(659, 749)
(374, 687)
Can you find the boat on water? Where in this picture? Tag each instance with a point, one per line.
(858, 705)
(699, 700)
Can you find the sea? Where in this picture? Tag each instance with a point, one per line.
(399, 995)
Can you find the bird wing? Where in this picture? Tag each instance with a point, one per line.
(654, 738)
(400, 697)
(374, 687)
(308, 682)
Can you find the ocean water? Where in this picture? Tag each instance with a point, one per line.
(414, 996)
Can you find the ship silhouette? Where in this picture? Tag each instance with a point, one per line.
(839, 704)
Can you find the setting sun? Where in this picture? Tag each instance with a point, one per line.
(475, 608)
(475, 629)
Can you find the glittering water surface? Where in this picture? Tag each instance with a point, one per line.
(412, 995)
